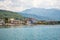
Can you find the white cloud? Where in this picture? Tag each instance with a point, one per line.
(5, 4)
(46, 3)
(20, 5)
(15, 5)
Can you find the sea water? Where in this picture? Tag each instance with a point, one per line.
(38, 32)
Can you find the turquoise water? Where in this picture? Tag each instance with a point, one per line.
(42, 32)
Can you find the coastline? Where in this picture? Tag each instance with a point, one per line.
(24, 26)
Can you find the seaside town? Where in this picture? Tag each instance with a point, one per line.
(27, 21)
(8, 18)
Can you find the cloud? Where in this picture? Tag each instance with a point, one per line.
(1, 0)
(15, 5)
(20, 5)
(5, 4)
(47, 3)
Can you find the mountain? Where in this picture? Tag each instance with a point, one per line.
(51, 14)
(34, 16)
(9, 14)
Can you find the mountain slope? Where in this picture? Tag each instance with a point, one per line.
(9, 14)
(53, 14)
(34, 16)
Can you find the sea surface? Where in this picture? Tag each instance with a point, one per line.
(37, 32)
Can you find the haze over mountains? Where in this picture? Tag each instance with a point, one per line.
(42, 14)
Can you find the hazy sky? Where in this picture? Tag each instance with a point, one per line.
(20, 5)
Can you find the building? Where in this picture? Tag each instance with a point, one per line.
(2, 22)
(30, 21)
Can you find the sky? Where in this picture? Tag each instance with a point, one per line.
(21, 5)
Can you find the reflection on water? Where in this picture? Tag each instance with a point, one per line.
(39, 32)
(29, 26)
